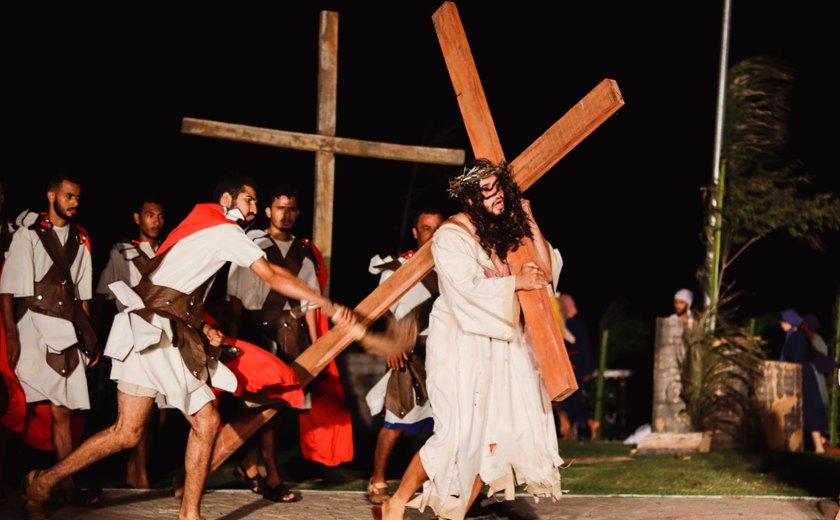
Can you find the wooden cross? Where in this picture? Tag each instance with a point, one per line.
(603, 101)
(325, 144)
(580, 121)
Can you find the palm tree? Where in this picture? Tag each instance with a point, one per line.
(766, 190)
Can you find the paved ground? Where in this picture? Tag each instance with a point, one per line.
(121, 504)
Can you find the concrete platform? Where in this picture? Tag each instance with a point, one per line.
(120, 504)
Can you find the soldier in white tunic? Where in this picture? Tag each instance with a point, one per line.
(161, 348)
(402, 391)
(126, 262)
(269, 320)
(45, 288)
(493, 417)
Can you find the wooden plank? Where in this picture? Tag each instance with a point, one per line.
(545, 332)
(316, 143)
(314, 359)
(322, 218)
(468, 90)
(575, 125)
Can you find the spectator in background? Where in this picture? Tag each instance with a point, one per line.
(682, 307)
(811, 328)
(796, 350)
(572, 412)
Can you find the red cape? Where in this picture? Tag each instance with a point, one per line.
(326, 431)
(201, 217)
(15, 412)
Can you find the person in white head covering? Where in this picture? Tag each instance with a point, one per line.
(682, 305)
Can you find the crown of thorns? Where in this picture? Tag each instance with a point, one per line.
(473, 174)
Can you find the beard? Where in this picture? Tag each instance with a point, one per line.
(61, 213)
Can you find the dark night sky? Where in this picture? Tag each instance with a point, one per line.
(624, 207)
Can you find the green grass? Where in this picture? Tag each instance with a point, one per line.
(608, 468)
(715, 473)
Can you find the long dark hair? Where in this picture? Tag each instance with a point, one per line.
(499, 233)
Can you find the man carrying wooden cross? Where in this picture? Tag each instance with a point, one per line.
(493, 415)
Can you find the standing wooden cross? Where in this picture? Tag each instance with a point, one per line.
(325, 144)
(537, 159)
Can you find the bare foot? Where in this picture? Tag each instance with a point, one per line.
(34, 496)
(31, 491)
(393, 509)
(178, 484)
(35, 510)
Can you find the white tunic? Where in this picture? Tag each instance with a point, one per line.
(27, 262)
(121, 267)
(245, 285)
(493, 416)
(142, 352)
(252, 291)
(375, 398)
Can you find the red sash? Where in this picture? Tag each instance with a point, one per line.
(201, 217)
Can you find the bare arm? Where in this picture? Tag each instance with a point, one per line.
(284, 282)
(86, 307)
(312, 324)
(289, 285)
(7, 304)
(543, 251)
(235, 315)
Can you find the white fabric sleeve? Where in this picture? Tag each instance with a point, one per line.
(481, 305)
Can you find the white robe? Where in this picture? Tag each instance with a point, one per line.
(26, 262)
(142, 352)
(493, 416)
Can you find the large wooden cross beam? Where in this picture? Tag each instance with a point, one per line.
(324, 143)
(580, 121)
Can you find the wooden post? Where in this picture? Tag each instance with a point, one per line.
(779, 399)
(324, 143)
(669, 414)
(322, 219)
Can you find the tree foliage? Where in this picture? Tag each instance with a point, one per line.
(718, 373)
(766, 189)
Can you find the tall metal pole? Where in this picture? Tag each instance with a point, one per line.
(835, 378)
(715, 210)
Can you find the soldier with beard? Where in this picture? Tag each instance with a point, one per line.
(493, 417)
(45, 288)
(162, 350)
(287, 327)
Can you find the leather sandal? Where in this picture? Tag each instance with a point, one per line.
(377, 492)
(256, 483)
(82, 497)
(281, 493)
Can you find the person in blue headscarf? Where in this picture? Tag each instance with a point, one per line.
(796, 349)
